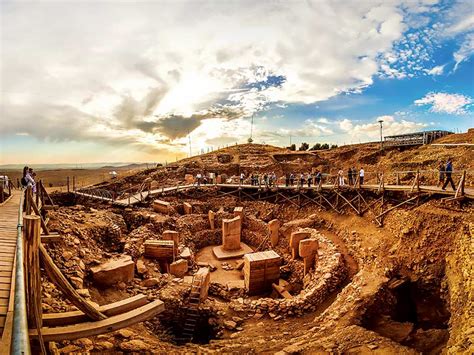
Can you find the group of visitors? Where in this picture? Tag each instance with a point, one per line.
(351, 177)
(28, 179)
(303, 179)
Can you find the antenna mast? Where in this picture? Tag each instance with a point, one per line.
(250, 140)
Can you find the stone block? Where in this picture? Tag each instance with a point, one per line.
(261, 270)
(273, 227)
(160, 206)
(205, 276)
(231, 229)
(114, 271)
(162, 249)
(212, 219)
(189, 179)
(171, 235)
(141, 267)
(239, 212)
(179, 268)
(188, 209)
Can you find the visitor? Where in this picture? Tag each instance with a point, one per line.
(349, 176)
(265, 179)
(448, 172)
(292, 179)
(441, 174)
(301, 180)
(340, 175)
(198, 179)
(274, 179)
(24, 181)
(318, 177)
(30, 178)
(361, 176)
(242, 177)
(310, 179)
(354, 176)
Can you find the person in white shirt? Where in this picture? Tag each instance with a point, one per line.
(198, 178)
(361, 176)
(30, 180)
(341, 177)
(242, 177)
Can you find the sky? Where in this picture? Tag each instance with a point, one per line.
(98, 81)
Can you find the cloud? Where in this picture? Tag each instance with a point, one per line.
(437, 70)
(445, 103)
(391, 126)
(149, 72)
(465, 51)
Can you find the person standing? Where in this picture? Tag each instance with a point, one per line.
(361, 176)
(242, 177)
(292, 179)
(318, 177)
(30, 179)
(441, 174)
(310, 179)
(340, 176)
(448, 172)
(349, 176)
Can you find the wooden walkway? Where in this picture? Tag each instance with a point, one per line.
(142, 196)
(8, 235)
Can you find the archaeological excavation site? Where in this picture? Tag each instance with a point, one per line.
(165, 261)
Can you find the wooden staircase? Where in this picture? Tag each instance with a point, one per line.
(192, 312)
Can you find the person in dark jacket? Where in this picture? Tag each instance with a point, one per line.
(441, 174)
(448, 172)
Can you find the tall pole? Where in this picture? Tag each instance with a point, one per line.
(189, 138)
(381, 141)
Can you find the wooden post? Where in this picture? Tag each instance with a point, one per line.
(73, 183)
(18, 182)
(32, 240)
(28, 199)
(2, 195)
(398, 179)
(38, 192)
(67, 179)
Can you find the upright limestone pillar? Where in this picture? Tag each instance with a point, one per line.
(231, 230)
(308, 250)
(273, 229)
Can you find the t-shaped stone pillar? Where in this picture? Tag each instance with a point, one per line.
(308, 251)
(273, 227)
(295, 239)
(212, 215)
(231, 229)
(231, 246)
(239, 212)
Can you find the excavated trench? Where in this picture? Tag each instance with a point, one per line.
(408, 311)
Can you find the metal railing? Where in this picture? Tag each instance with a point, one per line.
(20, 337)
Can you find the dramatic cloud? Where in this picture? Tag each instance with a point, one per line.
(391, 126)
(445, 103)
(156, 71)
(150, 74)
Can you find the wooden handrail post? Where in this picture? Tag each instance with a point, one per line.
(398, 179)
(32, 240)
(67, 179)
(28, 199)
(73, 183)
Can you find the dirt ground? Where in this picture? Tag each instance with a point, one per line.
(403, 288)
